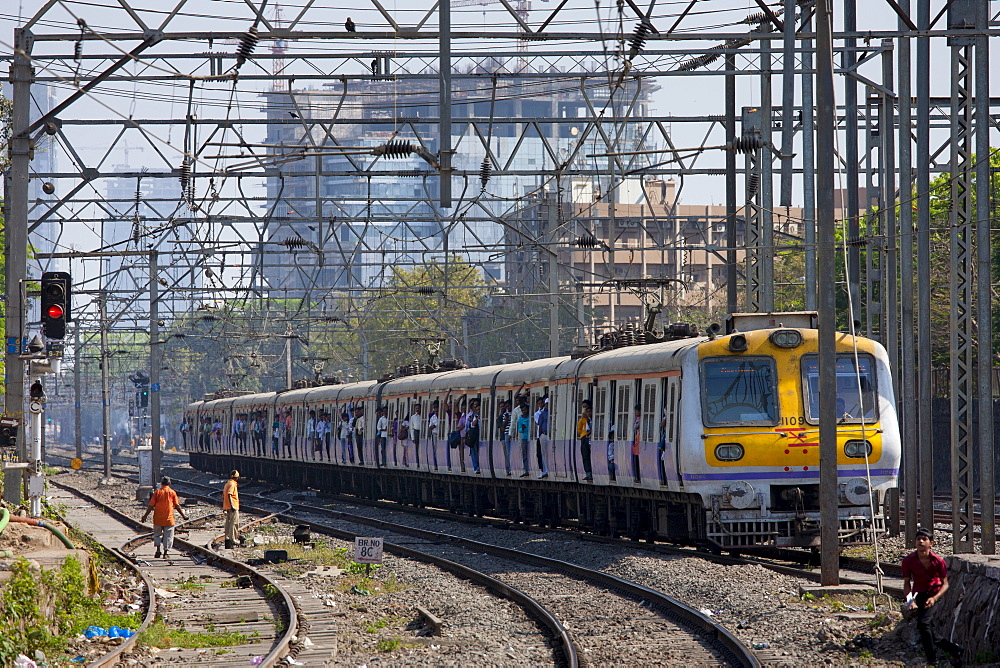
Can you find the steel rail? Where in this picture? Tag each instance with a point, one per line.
(535, 609)
(282, 644)
(720, 637)
(111, 658)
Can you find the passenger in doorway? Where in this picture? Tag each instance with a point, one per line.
(472, 434)
(185, 430)
(926, 576)
(503, 430)
(382, 427)
(583, 433)
(542, 433)
(346, 437)
(163, 504)
(524, 433)
(359, 434)
(416, 427)
(432, 429)
(311, 440)
(636, 440)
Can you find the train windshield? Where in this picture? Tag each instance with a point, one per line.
(852, 405)
(739, 391)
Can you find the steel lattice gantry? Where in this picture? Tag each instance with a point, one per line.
(284, 157)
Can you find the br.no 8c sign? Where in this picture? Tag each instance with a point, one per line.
(367, 550)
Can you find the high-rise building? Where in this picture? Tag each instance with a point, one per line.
(333, 227)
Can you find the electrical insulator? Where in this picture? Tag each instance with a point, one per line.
(248, 42)
(638, 39)
(484, 171)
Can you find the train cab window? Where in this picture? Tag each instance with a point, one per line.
(852, 406)
(740, 390)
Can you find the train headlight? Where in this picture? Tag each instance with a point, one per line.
(858, 449)
(741, 495)
(738, 343)
(729, 452)
(786, 338)
(857, 492)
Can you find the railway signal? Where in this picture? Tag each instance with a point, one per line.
(55, 303)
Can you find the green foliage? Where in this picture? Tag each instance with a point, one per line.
(986, 656)
(159, 635)
(191, 584)
(42, 609)
(389, 644)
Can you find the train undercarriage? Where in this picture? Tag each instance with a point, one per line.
(636, 513)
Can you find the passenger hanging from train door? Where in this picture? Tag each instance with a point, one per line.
(583, 426)
(275, 434)
(382, 428)
(472, 434)
(503, 430)
(542, 436)
(449, 429)
(311, 442)
(359, 434)
(346, 437)
(432, 430)
(524, 433)
(286, 432)
(460, 427)
(416, 424)
(402, 435)
(636, 440)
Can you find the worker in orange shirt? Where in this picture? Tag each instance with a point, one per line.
(231, 507)
(162, 504)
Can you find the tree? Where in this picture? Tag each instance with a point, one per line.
(428, 301)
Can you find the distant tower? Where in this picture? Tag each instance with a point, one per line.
(278, 49)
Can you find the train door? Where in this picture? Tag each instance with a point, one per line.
(624, 431)
(669, 456)
(608, 434)
(649, 454)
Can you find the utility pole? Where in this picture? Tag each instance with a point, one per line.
(105, 387)
(731, 291)
(827, 299)
(444, 102)
(77, 371)
(553, 220)
(288, 357)
(16, 244)
(154, 363)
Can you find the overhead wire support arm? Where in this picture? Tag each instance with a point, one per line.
(152, 38)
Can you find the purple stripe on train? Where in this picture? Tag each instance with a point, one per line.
(760, 475)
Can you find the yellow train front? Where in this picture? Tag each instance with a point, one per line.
(752, 445)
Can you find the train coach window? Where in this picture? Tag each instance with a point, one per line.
(739, 391)
(852, 406)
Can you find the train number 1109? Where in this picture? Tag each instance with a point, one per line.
(793, 421)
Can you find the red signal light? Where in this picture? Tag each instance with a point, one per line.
(55, 311)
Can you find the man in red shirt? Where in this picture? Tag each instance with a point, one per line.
(162, 504)
(926, 575)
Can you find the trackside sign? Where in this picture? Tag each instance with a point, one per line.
(367, 550)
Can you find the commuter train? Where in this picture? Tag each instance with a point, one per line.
(711, 440)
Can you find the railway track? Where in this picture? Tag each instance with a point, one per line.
(796, 563)
(229, 597)
(588, 605)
